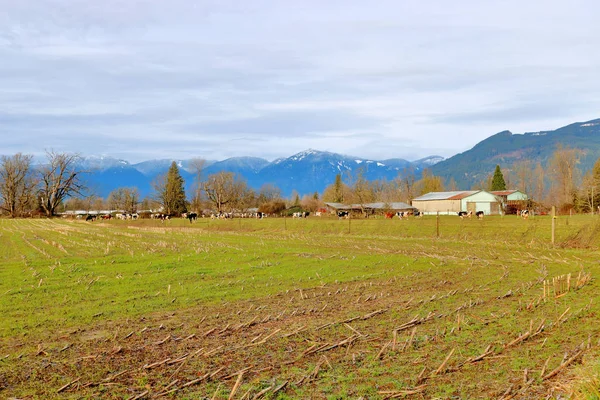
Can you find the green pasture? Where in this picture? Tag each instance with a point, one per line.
(57, 276)
(56, 273)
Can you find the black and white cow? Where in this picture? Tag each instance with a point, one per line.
(192, 216)
(463, 214)
(90, 218)
(524, 214)
(343, 214)
(418, 214)
(479, 214)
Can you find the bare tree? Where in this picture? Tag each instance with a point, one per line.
(268, 192)
(198, 165)
(126, 199)
(428, 183)
(523, 176)
(59, 179)
(565, 175)
(223, 189)
(362, 191)
(16, 183)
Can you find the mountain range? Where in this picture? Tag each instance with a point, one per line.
(506, 148)
(306, 172)
(311, 170)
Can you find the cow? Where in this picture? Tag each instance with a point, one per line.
(106, 217)
(91, 218)
(463, 214)
(389, 215)
(402, 214)
(192, 216)
(317, 213)
(418, 214)
(343, 214)
(524, 214)
(479, 214)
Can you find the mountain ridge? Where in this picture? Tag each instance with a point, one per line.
(505, 148)
(306, 172)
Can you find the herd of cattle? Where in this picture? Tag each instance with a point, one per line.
(341, 214)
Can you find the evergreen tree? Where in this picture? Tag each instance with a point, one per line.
(338, 188)
(498, 182)
(172, 194)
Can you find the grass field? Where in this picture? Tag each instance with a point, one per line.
(288, 308)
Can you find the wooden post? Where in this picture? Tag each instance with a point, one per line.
(553, 222)
(349, 219)
(284, 223)
(437, 224)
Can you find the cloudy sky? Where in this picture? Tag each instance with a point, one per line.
(145, 79)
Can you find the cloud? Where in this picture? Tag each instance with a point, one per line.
(155, 79)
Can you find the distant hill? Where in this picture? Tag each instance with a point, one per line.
(306, 172)
(506, 148)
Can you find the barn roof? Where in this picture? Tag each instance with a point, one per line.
(398, 205)
(504, 192)
(337, 206)
(455, 195)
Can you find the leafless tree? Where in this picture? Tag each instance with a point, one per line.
(126, 199)
(60, 178)
(17, 183)
(565, 175)
(223, 189)
(198, 165)
(362, 190)
(268, 192)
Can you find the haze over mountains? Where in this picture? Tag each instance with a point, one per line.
(312, 170)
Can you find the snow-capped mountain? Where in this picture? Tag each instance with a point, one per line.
(306, 172)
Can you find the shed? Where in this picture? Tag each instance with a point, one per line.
(511, 195)
(370, 208)
(512, 200)
(453, 202)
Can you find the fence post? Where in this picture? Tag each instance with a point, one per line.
(437, 224)
(553, 223)
(349, 219)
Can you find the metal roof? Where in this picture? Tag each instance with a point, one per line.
(504, 192)
(398, 205)
(456, 195)
(337, 206)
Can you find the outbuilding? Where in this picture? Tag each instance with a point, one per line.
(513, 200)
(456, 201)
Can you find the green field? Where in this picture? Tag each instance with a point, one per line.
(298, 308)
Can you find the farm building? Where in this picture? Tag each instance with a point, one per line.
(513, 200)
(370, 208)
(453, 202)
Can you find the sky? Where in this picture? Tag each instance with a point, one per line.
(177, 79)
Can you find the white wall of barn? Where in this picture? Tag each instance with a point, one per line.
(484, 201)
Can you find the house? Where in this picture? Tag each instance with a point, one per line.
(453, 202)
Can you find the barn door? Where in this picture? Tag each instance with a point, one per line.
(495, 208)
(471, 206)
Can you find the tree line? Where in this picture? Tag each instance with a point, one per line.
(59, 184)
